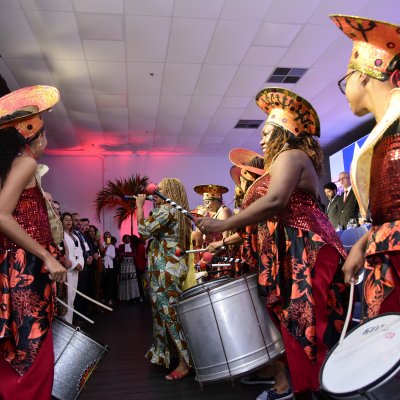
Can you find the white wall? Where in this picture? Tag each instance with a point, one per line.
(75, 181)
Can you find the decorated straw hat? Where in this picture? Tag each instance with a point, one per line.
(243, 157)
(376, 44)
(235, 174)
(288, 110)
(211, 192)
(31, 102)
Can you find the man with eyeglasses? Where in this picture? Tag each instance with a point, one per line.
(372, 85)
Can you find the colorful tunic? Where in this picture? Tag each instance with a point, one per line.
(285, 249)
(166, 274)
(26, 292)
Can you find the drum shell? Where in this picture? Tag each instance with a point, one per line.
(76, 355)
(228, 329)
(383, 388)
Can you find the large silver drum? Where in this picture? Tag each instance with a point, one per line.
(366, 364)
(76, 357)
(227, 328)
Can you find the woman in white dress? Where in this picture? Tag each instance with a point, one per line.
(73, 251)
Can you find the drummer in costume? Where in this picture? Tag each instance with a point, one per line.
(213, 203)
(247, 167)
(372, 86)
(27, 266)
(300, 269)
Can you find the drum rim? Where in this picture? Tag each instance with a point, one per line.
(77, 328)
(373, 384)
(224, 280)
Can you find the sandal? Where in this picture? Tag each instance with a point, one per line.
(177, 375)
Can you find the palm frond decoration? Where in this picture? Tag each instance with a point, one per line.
(112, 196)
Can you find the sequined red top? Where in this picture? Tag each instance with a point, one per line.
(31, 215)
(301, 212)
(384, 193)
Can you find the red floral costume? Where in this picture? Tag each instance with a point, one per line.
(26, 293)
(382, 263)
(298, 255)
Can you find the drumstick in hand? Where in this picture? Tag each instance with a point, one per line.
(73, 310)
(87, 297)
(179, 252)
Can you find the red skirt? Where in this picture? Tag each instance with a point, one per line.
(37, 383)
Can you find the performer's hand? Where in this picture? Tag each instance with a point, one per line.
(141, 198)
(214, 247)
(353, 265)
(57, 272)
(207, 225)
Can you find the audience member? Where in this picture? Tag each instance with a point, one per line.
(349, 207)
(335, 203)
(74, 253)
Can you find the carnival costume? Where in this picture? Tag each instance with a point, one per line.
(213, 192)
(375, 170)
(299, 255)
(26, 293)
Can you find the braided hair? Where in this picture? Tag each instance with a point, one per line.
(174, 189)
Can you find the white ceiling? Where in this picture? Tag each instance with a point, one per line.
(175, 76)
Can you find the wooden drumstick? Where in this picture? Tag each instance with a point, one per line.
(73, 310)
(88, 298)
(179, 252)
(347, 321)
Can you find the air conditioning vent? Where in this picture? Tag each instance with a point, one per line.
(286, 75)
(249, 123)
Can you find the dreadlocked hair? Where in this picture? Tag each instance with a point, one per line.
(303, 141)
(174, 189)
(11, 142)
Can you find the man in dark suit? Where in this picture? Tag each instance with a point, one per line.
(335, 203)
(350, 208)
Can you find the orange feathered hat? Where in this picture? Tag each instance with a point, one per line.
(288, 110)
(376, 44)
(31, 102)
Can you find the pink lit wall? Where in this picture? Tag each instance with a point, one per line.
(75, 180)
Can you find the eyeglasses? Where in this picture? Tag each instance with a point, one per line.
(342, 83)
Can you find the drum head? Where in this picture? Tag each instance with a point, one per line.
(368, 356)
(195, 290)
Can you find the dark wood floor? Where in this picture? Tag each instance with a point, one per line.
(125, 373)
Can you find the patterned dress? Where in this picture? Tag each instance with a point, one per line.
(26, 292)
(166, 274)
(297, 255)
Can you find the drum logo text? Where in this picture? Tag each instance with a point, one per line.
(372, 329)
